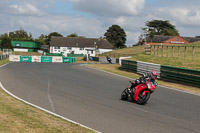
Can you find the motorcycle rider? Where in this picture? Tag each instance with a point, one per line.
(148, 76)
(109, 59)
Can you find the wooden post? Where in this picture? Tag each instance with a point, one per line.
(167, 51)
(162, 50)
(157, 50)
(185, 51)
(172, 51)
(193, 53)
(178, 51)
(154, 50)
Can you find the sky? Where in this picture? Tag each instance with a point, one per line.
(91, 18)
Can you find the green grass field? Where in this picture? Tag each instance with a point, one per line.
(169, 57)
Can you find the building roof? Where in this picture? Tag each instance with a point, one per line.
(191, 39)
(162, 39)
(159, 38)
(80, 42)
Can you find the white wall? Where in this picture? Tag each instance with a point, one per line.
(20, 50)
(77, 50)
(104, 50)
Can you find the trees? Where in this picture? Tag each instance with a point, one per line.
(20, 35)
(160, 27)
(116, 36)
(73, 35)
(42, 39)
(47, 41)
(6, 43)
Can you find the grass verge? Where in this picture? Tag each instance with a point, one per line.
(115, 68)
(18, 117)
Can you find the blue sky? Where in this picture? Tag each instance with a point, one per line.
(91, 18)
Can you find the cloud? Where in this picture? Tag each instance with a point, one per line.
(40, 16)
(186, 16)
(109, 8)
(25, 9)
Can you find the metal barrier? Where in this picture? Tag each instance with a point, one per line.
(168, 73)
(180, 75)
(144, 67)
(4, 56)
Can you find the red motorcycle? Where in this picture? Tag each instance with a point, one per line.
(140, 93)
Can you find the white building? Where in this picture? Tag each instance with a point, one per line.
(77, 45)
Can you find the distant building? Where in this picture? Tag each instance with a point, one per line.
(77, 45)
(158, 39)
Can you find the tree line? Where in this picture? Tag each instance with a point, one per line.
(114, 34)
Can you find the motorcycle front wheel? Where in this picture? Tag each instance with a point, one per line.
(142, 99)
(124, 95)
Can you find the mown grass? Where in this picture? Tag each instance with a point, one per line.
(2, 62)
(168, 57)
(18, 117)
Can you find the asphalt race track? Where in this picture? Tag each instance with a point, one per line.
(92, 98)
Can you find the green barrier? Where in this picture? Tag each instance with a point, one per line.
(68, 59)
(95, 58)
(181, 75)
(129, 65)
(25, 58)
(46, 59)
(32, 50)
(117, 61)
(75, 55)
(53, 54)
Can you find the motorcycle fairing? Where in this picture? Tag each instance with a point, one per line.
(141, 87)
(138, 89)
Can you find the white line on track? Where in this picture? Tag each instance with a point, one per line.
(1, 86)
(5, 64)
(49, 96)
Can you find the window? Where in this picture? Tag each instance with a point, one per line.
(69, 48)
(177, 40)
(56, 47)
(81, 48)
(64, 49)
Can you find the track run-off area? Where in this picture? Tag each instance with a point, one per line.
(92, 98)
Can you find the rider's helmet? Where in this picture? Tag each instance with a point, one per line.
(154, 74)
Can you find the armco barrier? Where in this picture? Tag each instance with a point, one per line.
(129, 65)
(46, 59)
(25, 58)
(144, 67)
(180, 75)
